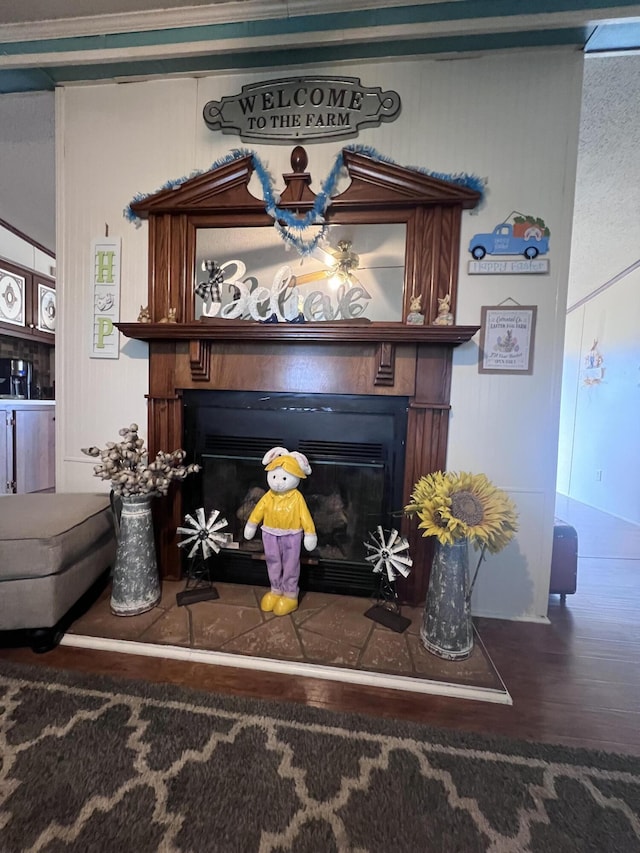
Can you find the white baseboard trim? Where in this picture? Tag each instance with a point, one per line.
(540, 620)
(296, 668)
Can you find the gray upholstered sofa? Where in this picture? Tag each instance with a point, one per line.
(53, 547)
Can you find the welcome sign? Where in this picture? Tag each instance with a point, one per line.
(302, 108)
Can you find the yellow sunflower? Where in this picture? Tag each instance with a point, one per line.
(453, 506)
(431, 502)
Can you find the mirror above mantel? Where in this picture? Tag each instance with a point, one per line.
(357, 271)
(402, 225)
(404, 228)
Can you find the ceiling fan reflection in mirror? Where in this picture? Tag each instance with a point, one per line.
(340, 265)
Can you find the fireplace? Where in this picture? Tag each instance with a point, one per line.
(347, 368)
(355, 445)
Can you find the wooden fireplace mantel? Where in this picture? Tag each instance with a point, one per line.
(303, 333)
(347, 357)
(377, 342)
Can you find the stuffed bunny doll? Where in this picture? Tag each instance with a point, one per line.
(286, 524)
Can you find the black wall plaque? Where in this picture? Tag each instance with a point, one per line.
(312, 109)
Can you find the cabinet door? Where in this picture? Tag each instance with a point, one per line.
(34, 449)
(6, 452)
(14, 287)
(44, 308)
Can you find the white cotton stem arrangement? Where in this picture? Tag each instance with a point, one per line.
(126, 464)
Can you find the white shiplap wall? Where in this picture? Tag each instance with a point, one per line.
(510, 117)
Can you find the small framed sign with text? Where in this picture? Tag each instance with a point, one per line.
(105, 291)
(507, 336)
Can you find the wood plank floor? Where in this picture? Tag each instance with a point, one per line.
(575, 681)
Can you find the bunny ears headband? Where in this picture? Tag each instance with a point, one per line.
(293, 463)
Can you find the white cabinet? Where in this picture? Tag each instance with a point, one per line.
(27, 447)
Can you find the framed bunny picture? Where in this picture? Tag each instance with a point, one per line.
(507, 336)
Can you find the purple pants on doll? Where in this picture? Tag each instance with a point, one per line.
(282, 555)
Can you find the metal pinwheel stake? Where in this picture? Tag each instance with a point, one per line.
(204, 538)
(389, 555)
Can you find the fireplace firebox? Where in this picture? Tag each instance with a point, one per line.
(355, 445)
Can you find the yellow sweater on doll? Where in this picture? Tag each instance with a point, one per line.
(282, 513)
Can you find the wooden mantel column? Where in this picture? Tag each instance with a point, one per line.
(427, 433)
(166, 433)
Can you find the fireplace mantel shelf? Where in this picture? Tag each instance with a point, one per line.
(320, 332)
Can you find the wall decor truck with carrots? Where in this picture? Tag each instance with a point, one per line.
(518, 234)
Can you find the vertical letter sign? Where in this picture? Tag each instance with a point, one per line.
(105, 287)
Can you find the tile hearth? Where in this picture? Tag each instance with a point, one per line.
(326, 630)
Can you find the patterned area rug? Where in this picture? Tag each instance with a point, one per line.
(93, 764)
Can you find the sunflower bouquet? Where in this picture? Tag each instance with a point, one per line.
(457, 509)
(454, 506)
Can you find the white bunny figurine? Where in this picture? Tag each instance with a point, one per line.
(286, 524)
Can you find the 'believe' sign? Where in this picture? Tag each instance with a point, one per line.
(302, 108)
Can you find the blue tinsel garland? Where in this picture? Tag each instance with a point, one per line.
(293, 225)
(288, 224)
(463, 179)
(174, 183)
